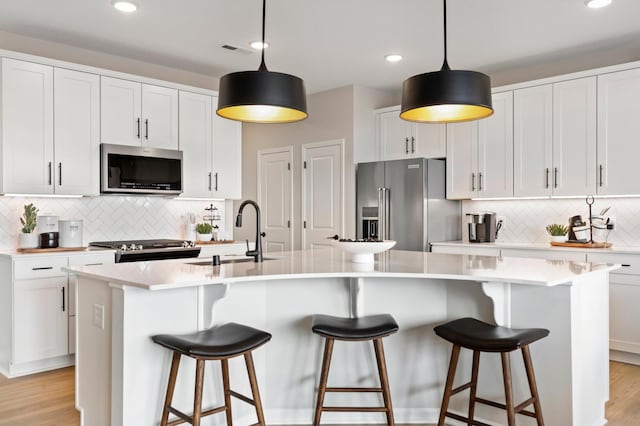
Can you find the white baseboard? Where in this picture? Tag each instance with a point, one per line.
(626, 357)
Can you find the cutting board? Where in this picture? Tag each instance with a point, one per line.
(216, 242)
(49, 250)
(581, 245)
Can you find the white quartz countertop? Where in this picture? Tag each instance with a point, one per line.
(322, 263)
(15, 254)
(541, 246)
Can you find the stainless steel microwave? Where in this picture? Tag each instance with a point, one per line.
(128, 169)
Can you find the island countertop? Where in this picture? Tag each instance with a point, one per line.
(322, 263)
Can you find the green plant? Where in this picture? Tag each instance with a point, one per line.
(203, 228)
(28, 219)
(557, 230)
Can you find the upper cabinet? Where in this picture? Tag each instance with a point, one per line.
(618, 132)
(43, 152)
(398, 138)
(480, 154)
(211, 148)
(138, 114)
(555, 139)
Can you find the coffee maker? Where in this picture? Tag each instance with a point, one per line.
(482, 227)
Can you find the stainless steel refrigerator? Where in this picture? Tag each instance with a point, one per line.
(404, 200)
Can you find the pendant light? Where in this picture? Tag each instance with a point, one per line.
(446, 96)
(262, 96)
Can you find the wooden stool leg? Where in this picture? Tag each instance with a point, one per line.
(197, 399)
(526, 355)
(448, 387)
(175, 363)
(474, 385)
(248, 359)
(324, 375)
(227, 390)
(506, 375)
(384, 379)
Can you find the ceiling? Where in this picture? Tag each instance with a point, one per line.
(332, 43)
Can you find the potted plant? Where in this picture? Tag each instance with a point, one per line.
(204, 231)
(28, 239)
(557, 232)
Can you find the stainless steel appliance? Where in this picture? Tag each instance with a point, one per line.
(140, 170)
(483, 227)
(404, 200)
(141, 250)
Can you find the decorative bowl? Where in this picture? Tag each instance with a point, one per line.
(363, 251)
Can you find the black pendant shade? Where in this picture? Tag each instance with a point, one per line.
(262, 96)
(446, 96)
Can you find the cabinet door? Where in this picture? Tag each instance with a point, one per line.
(495, 149)
(532, 141)
(120, 115)
(27, 127)
(160, 117)
(574, 137)
(429, 140)
(40, 319)
(394, 135)
(618, 132)
(195, 144)
(462, 160)
(227, 158)
(77, 132)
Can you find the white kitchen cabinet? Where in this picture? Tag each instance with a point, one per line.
(227, 158)
(196, 144)
(27, 127)
(399, 139)
(555, 139)
(618, 132)
(480, 154)
(138, 114)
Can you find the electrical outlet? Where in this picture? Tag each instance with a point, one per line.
(98, 316)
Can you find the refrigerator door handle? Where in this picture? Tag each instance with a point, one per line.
(380, 212)
(387, 221)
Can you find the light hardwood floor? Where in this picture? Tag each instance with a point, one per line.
(46, 399)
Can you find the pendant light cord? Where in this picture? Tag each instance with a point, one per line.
(445, 64)
(263, 66)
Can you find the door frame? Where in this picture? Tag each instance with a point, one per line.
(303, 200)
(288, 149)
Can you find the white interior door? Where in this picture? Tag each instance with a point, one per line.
(275, 184)
(322, 192)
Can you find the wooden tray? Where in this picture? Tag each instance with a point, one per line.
(581, 245)
(49, 250)
(215, 242)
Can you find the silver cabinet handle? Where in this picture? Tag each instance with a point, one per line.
(406, 145)
(601, 182)
(473, 182)
(413, 145)
(216, 186)
(59, 174)
(546, 179)
(50, 171)
(480, 181)
(209, 181)
(555, 177)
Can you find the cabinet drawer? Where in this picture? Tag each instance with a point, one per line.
(630, 263)
(39, 267)
(92, 259)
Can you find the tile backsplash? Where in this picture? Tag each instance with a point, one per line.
(111, 217)
(525, 220)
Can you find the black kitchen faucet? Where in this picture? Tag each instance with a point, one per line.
(257, 250)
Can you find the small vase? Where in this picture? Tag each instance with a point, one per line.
(558, 238)
(28, 240)
(204, 237)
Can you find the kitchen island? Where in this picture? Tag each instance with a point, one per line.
(121, 375)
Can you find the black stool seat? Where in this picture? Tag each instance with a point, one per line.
(224, 341)
(480, 336)
(363, 328)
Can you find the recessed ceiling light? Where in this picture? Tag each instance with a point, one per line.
(393, 58)
(258, 45)
(125, 6)
(595, 4)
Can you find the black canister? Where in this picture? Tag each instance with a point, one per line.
(49, 240)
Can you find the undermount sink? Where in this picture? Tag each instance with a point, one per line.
(226, 261)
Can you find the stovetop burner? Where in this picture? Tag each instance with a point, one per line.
(158, 249)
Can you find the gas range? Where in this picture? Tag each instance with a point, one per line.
(142, 250)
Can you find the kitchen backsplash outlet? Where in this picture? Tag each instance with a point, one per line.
(525, 220)
(110, 218)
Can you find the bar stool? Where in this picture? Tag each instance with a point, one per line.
(482, 337)
(218, 343)
(373, 327)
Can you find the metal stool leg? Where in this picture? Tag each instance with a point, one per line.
(508, 393)
(175, 363)
(227, 390)
(324, 375)
(455, 352)
(197, 400)
(384, 379)
(474, 385)
(248, 359)
(526, 355)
